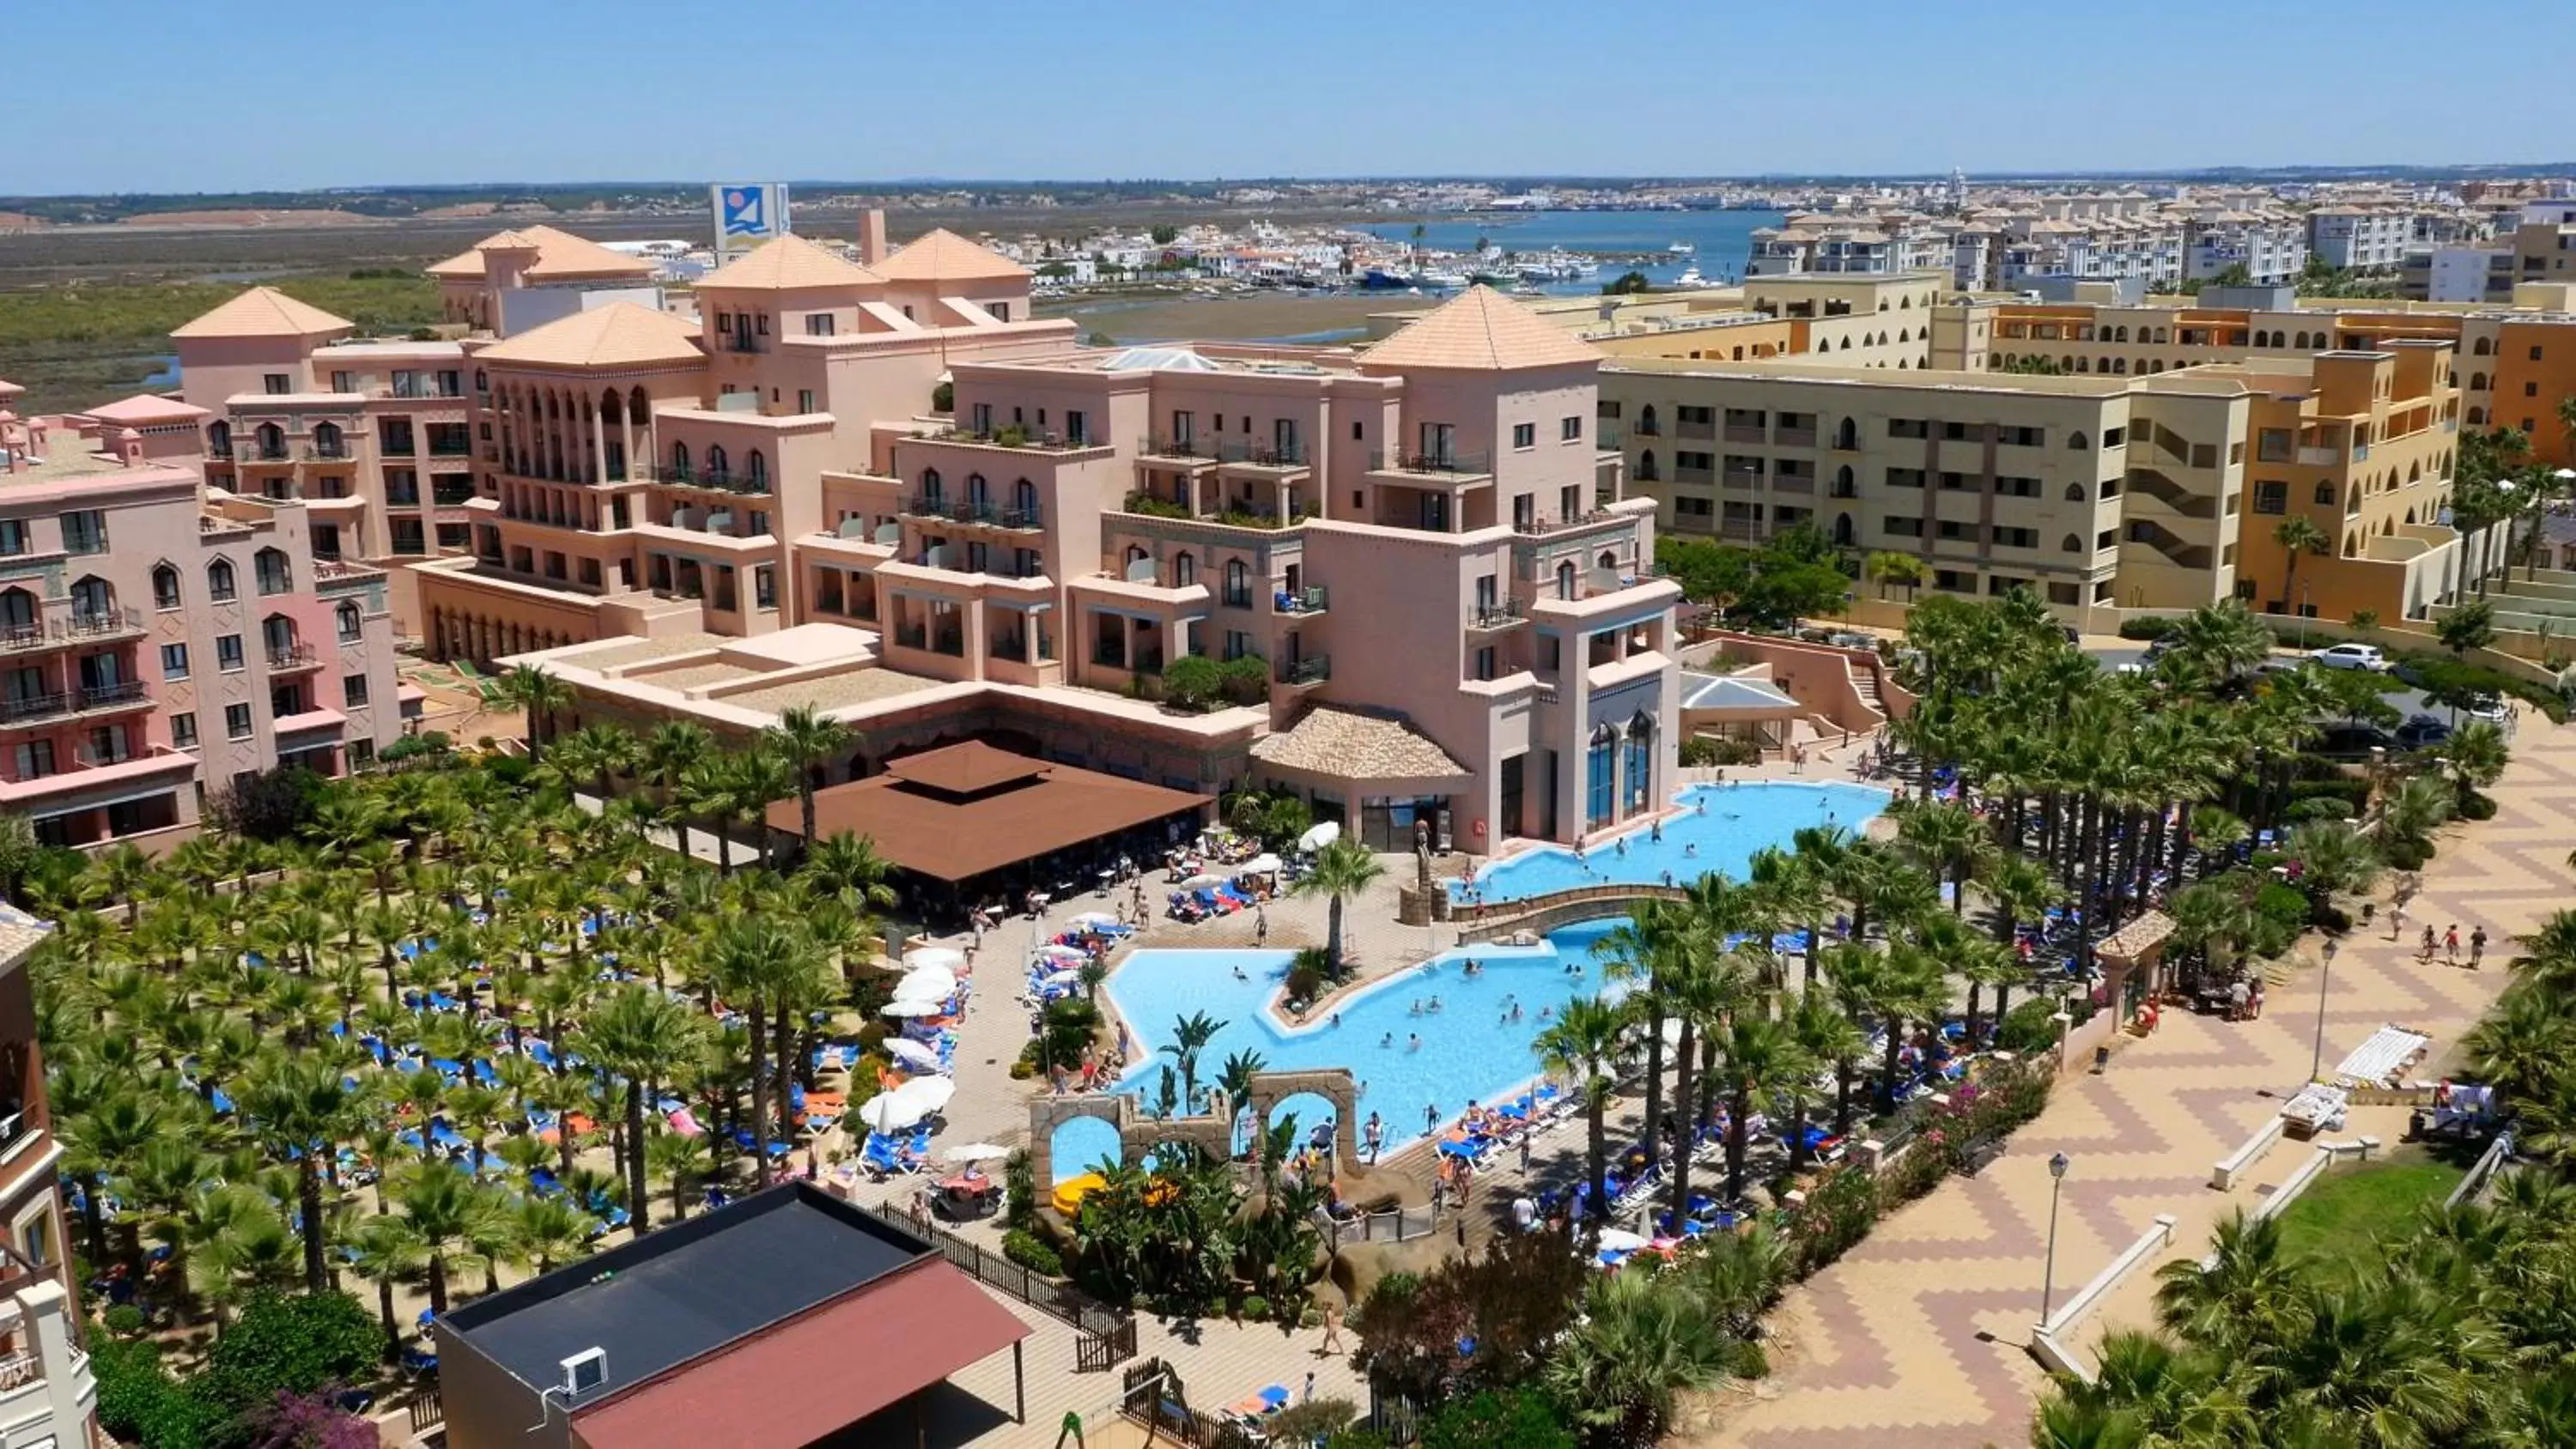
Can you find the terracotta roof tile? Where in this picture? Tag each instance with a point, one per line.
(263, 312)
(1480, 329)
(620, 334)
(146, 408)
(787, 263)
(944, 256)
(561, 256)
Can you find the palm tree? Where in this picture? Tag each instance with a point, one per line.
(1190, 1036)
(448, 1213)
(1761, 1056)
(2413, 811)
(2247, 1291)
(1825, 1036)
(759, 778)
(1583, 1049)
(807, 740)
(2297, 535)
(641, 1035)
(847, 866)
(1342, 869)
(1946, 839)
(385, 1251)
(1909, 987)
(753, 961)
(2476, 753)
(1640, 1340)
(549, 1230)
(1647, 951)
(669, 753)
(542, 695)
(301, 1110)
(2525, 1043)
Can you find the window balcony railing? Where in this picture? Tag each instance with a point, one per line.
(723, 480)
(742, 342)
(911, 636)
(451, 448)
(329, 452)
(1014, 437)
(292, 656)
(1190, 448)
(1313, 669)
(112, 696)
(1500, 614)
(1445, 464)
(1543, 527)
(1311, 599)
(425, 389)
(260, 452)
(1291, 455)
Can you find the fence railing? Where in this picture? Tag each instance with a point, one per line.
(1108, 1334)
(1400, 1224)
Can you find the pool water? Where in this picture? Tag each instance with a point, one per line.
(1719, 828)
(1470, 1050)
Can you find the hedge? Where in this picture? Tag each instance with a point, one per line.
(1032, 1252)
(2441, 674)
(2149, 626)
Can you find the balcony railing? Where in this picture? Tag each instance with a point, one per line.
(293, 656)
(1500, 614)
(460, 449)
(111, 696)
(1543, 527)
(1292, 455)
(1313, 669)
(1309, 600)
(1013, 437)
(329, 452)
(722, 479)
(1605, 437)
(260, 453)
(1451, 464)
(80, 628)
(745, 342)
(1191, 448)
(957, 510)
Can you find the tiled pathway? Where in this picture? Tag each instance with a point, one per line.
(1921, 1331)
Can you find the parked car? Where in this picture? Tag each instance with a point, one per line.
(2423, 731)
(2351, 656)
(2353, 741)
(2488, 707)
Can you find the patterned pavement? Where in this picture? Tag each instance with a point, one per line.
(1922, 1329)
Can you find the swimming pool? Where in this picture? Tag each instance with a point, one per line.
(1720, 828)
(1470, 1050)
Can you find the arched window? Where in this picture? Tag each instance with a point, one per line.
(1846, 347)
(639, 408)
(2077, 441)
(2074, 492)
(2481, 348)
(165, 587)
(1640, 764)
(1565, 579)
(219, 437)
(1024, 498)
(17, 611)
(328, 442)
(2072, 543)
(2477, 417)
(976, 491)
(1646, 466)
(1185, 570)
(1847, 433)
(1843, 531)
(93, 598)
(2119, 334)
(756, 469)
(347, 618)
(1646, 425)
(1845, 486)
(1238, 583)
(1600, 783)
(719, 466)
(272, 441)
(2477, 382)
(1136, 554)
(930, 485)
(680, 461)
(275, 575)
(2120, 365)
(219, 582)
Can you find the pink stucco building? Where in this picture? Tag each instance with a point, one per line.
(159, 638)
(879, 487)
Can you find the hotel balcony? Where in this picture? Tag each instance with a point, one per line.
(1009, 440)
(107, 777)
(101, 628)
(1176, 452)
(1144, 505)
(1497, 616)
(1432, 470)
(1600, 520)
(1305, 673)
(718, 480)
(20, 710)
(1306, 603)
(1263, 459)
(965, 511)
(293, 659)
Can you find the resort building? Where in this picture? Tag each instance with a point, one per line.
(512, 281)
(163, 638)
(47, 1395)
(1438, 611)
(2361, 238)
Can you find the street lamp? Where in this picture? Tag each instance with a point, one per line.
(2317, 1062)
(2057, 1165)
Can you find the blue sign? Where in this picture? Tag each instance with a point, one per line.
(743, 210)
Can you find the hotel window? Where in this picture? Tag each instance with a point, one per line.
(2017, 537)
(1485, 662)
(818, 324)
(804, 399)
(85, 531)
(353, 690)
(35, 759)
(348, 621)
(1908, 428)
(1237, 643)
(237, 721)
(407, 536)
(165, 587)
(228, 652)
(276, 384)
(1569, 430)
(1902, 527)
(1524, 435)
(183, 731)
(2271, 497)
(2325, 493)
(219, 581)
(174, 661)
(362, 753)
(1952, 529)
(764, 587)
(1076, 430)
(13, 537)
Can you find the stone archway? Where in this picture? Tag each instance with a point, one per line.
(1048, 1113)
(1334, 1085)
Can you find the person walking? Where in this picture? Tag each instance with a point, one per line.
(2477, 947)
(2451, 942)
(1333, 1328)
(2424, 950)
(2396, 918)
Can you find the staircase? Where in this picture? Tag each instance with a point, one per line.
(1865, 684)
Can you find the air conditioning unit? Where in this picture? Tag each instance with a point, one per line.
(583, 1372)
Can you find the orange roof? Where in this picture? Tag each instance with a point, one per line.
(1483, 330)
(964, 769)
(957, 813)
(787, 263)
(944, 256)
(620, 334)
(263, 312)
(145, 408)
(561, 256)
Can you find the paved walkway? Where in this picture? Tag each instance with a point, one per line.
(1921, 1330)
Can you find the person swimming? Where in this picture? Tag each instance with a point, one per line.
(1434, 1006)
(1413, 1043)
(1690, 850)
(1386, 1041)
(1417, 1007)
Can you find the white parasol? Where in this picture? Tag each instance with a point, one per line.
(1201, 881)
(926, 983)
(1072, 955)
(1089, 919)
(1264, 864)
(888, 1113)
(1613, 1239)
(947, 958)
(1067, 977)
(931, 1093)
(912, 1054)
(913, 1008)
(975, 1152)
(1322, 834)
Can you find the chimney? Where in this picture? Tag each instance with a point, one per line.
(872, 241)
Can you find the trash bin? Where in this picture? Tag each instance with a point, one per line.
(2101, 1060)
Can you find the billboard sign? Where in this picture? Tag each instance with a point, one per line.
(747, 212)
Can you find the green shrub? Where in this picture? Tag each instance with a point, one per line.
(1033, 1253)
(2329, 917)
(2319, 807)
(2284, 905)
(1192, 682)
(124, 1320)
(1520, 1418)
(2031, 1026)
(2474, 806)
(1256, 1307)
(2152, 626)
(1701, 750)
(1746, 1360)
(2438, 674)
(1019, 1189)
(140, 1405)
(289, 1344)
(2406, 854)
(1307, 1422)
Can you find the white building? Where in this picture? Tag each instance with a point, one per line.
(2359, 238)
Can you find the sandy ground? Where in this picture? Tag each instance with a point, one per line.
(1261, 315)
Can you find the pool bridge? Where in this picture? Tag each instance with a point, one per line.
(1496, 920)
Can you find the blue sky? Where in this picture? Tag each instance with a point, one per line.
(187, 95)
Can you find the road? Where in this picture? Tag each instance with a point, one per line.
(2114, 652)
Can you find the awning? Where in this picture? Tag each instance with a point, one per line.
(816, 1375)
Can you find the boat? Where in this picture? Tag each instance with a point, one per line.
(1690, 277)
(1681, 249)
(1440, 279)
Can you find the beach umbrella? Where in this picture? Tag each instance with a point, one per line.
(909, 1053)
(1201, 881)
(1322, 834)
(930, 1093)
(1068, 977)
(888, 1113)
(948, 958)
(975, 1152)
(927, 983)
(1264, 864)
(1073, 955)
(913, 1008)
(1089, 919)
(1620, 1240)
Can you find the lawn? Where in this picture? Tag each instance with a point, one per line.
(2366, 1202)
